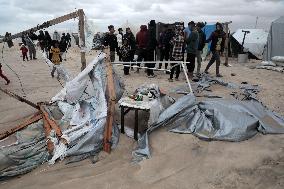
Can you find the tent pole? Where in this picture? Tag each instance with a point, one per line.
(227, 43)
(110, 103)
(82, 38)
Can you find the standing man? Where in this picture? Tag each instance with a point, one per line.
(119, 42)
(151, 48)
(56, 36)
(31, 46)
(201, 44)
(217, 47)
(177, 53)
(131, 40)
(165, 46)
(191, 49)
(63, 46)
(142, 39)
(111, 41)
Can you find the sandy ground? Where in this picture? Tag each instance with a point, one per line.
(178, 161)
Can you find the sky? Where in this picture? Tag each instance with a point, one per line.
(19, 15)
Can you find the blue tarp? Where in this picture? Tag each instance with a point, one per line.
(208, 29)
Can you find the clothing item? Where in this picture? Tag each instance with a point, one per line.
(192, 42)
(191, 59)
(150, 57)
(199, 60)
(164, 55)
(3, 76)
(187, 32)
(55, 55)
(111, 41)
(218, 41)
(142, 37)
(24, 50)
(175, 69)
(201, 40)
(112, 56)
(178, 42)
(215, 57)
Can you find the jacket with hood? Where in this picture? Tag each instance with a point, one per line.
(218, 41)
(142, 37)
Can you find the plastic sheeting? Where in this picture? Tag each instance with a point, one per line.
(255, 41)
(83, 111)
(228, 120)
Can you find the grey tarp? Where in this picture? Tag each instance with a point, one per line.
(85, 117)
(229, 120)
(275, 41)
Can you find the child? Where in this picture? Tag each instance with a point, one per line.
(24, 50)
(55, 57)
(125, 52)
(3, 76)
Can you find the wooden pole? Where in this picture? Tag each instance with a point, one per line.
(82, 38)
(110, 102)
(227, 43)
(37, 116)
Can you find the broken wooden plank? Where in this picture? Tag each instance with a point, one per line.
(51, 122)
(82, 38)
(37, 116)
(111, 103)
(47, 129)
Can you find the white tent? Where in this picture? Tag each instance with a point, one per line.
(275, 42)
(255, 41)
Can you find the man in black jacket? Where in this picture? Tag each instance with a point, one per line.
(201, 44)
(151, 47)
(129, 36)
(217, 47)
(111, 41)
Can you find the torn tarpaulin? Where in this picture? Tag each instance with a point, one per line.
(218, 119)
(82, 117)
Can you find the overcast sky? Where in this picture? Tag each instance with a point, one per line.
(18, 15)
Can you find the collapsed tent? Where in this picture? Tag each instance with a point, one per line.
(255, 41)
(218, 119)
(275, 40)
(80, 110)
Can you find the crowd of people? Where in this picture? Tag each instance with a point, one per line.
(174, 44)
(55, 47)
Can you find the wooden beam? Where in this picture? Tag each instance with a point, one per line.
(37, 116)
(51, 122)
(47, 24)
(110, 102)
(19, 98)
(82, 37)
(47, 129)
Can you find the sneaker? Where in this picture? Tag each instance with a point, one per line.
(151, 76)
(8, 82)
(35, 58)
(170, 80)
(219, 75)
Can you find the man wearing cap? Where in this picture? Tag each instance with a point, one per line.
(111, 41)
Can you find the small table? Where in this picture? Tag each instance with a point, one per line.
(130, 104)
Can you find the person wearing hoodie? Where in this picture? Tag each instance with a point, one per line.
(217, 47)
(201, 44)
(111, 41)
(191, 48)
(142, 39)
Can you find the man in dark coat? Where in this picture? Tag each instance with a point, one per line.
(201, 44)
(111, 41)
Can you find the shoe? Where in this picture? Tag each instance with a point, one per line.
(219, 75)
(35, 58)
(171, 80)
(151, 76)
(8, 82)
(167, 72)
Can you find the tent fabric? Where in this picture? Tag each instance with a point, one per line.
(82, 112)
(217, 119)
(275, 41)
(255, 41)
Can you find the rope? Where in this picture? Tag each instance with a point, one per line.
(19, 80)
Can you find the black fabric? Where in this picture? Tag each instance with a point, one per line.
(191, 59)
(202, 40)
(215, 37)
(111, 41)
(142, 55)
(150, 57)
(164, 55)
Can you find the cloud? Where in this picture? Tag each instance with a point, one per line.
(18, 15)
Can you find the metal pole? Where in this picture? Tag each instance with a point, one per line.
(186, 76)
